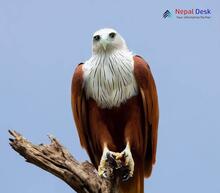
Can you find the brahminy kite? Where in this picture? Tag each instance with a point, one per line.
(115, 108)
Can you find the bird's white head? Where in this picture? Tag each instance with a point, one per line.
(107, 40)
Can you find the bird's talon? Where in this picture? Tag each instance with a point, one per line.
(104, 174)
(125, 177)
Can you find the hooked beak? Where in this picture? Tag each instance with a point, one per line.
(104, 43)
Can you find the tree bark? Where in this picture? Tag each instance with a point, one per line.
(54, 158)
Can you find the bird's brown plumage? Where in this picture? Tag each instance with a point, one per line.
(135, 121)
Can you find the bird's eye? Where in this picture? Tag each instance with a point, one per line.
(112, 34)
(97, 37)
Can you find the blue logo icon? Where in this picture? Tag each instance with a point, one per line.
(167, 14)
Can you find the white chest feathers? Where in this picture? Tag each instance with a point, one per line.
(109, 78)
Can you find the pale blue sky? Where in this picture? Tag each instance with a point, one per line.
(42, 41)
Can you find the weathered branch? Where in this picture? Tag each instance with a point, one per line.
(54, 158)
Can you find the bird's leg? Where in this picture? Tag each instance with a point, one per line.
(107, 160)
(126, 162)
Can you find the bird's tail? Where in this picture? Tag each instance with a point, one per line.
(136, 183)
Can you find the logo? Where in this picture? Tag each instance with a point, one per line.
(166, 14)
(193, 13)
